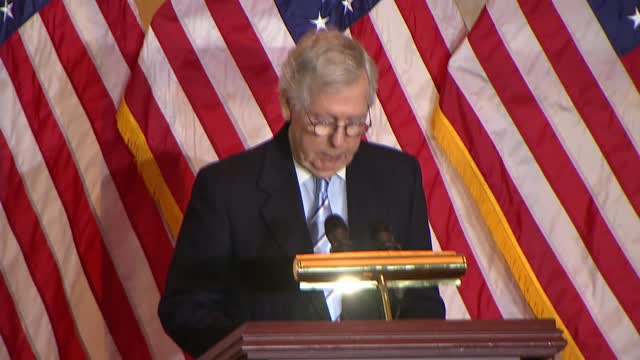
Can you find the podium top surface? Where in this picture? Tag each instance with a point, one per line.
(398, 339)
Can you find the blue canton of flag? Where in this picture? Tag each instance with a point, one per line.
(301, 16)
(621, 22)
(14, 13)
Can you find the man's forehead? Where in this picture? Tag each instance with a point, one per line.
(338, 90)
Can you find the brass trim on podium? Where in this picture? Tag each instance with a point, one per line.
(356, 270)
(400, 268)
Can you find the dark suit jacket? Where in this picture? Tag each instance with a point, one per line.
(245, 223)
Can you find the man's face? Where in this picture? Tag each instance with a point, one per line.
(323, 156)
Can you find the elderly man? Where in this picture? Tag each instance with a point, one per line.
(250, 214)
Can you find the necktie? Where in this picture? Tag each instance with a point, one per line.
(322, 210)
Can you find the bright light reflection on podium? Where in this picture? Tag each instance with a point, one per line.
(349, 272)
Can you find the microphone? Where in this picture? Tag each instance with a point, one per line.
(337, 233)
(382, 236)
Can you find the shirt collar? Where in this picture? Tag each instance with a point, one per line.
(304, 174)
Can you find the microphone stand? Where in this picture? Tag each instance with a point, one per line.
(384, 293)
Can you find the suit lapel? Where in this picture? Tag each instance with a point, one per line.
(282, 210)
(361, 201)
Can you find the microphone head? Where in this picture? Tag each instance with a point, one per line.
(382, 236)
(338, 233)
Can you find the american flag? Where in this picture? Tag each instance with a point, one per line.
(82, 246)
(86, 240)
(541, 114)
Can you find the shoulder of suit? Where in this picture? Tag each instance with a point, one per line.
(240, 164)
(381, 152)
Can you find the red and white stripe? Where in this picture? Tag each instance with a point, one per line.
(33, 210)
(37, 324)
(85, 254)
(4, 353)
(543, 134)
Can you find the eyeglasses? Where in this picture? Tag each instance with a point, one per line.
(324, 125)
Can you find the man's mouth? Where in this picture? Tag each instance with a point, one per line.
(330, 158)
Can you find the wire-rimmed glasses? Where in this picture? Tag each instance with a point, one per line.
(324, 125)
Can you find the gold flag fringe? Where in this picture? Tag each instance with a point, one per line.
(149, 169)
(499, 227)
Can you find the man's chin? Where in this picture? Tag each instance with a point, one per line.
(325, 171)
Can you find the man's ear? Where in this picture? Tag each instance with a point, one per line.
(284, 106)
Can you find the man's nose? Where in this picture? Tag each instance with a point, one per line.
(338, 136)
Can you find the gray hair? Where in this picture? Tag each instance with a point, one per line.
(320, 61)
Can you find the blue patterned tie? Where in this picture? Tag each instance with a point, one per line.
(322, 209)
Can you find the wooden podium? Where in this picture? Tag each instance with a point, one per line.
(398, 339)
